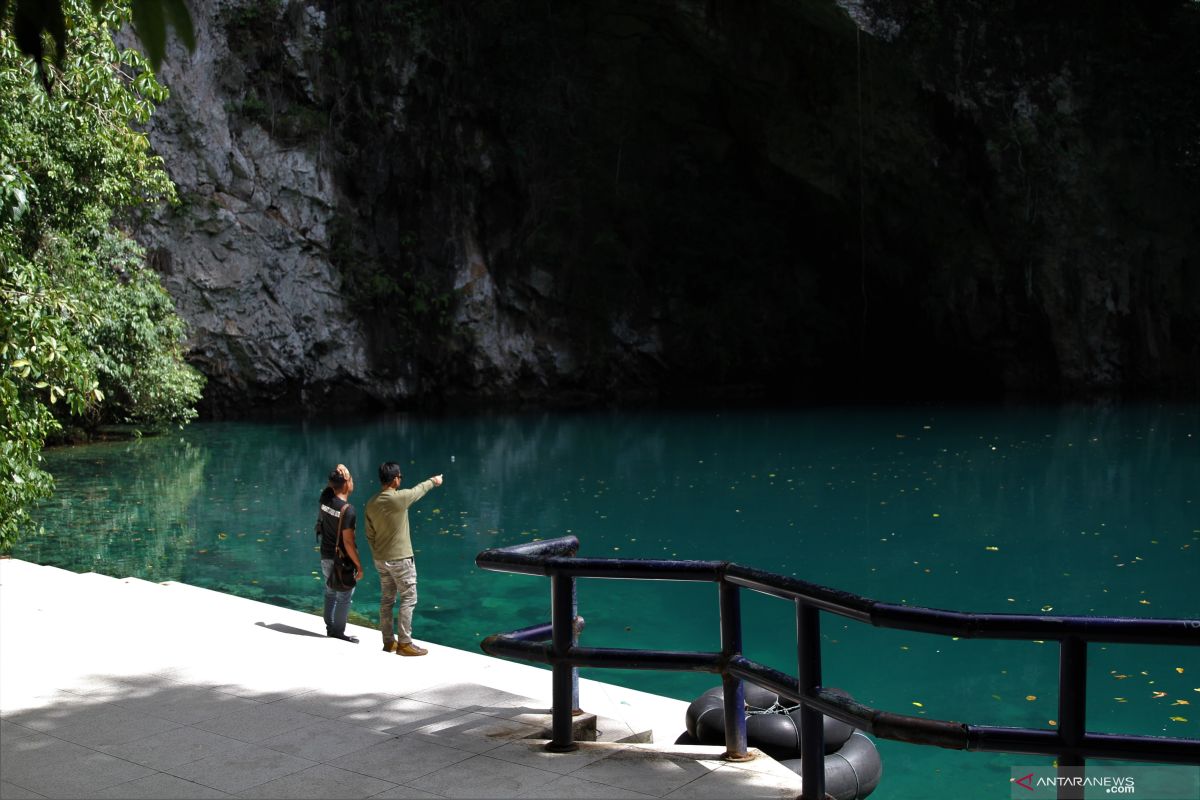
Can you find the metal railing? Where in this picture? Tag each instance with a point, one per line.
(1071, 742)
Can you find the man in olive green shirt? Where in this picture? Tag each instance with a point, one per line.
(391, 546)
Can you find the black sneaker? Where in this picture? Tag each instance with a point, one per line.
(344, 637)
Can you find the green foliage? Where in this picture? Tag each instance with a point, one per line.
(34, 20)
(87, 334)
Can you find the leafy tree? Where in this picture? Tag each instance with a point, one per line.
(33, 20)
(87, 334)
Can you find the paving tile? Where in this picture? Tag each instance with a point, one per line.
(728, 783)
(258, 722)
(10, 791)
(401, 760)
(241, 769)
(54, 704)
(110, 726)
(325, 740)
(533, 753)
(159, 786)
(185, 703)
(174, 747)
(11, 730)
(30, 746)
(476, 733)
(263, 691)
(400, 715)
(321, 781)
(480, 699)
(332, 706)
(482, 776)
(569, 787)
(103, 687)
(643, 771)
(55, 768)
(405, 793)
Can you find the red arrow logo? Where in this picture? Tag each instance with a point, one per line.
(1023, 782)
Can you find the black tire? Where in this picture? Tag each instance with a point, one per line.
(853, 772)
(777, 735)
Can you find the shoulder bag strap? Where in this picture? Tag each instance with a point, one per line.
(337, 547)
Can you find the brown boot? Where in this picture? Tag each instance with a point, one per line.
(390, 647)
(410, 649)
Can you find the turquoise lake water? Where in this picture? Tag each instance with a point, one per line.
(1063, 510)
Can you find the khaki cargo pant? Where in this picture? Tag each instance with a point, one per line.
(397, 577)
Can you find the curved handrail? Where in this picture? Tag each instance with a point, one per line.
(1072, 743)
(557, 556)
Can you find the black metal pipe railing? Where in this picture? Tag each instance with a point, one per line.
(556, 643)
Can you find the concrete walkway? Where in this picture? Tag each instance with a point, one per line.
(128, 689)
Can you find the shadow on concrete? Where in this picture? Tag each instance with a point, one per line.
(149, 735)
(281, 628)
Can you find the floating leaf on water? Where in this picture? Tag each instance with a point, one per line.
(1179, 670)
(1120, 699)
(918, 705)
(1178, 719)
(1144, 602)
(1157, 695)
(995, 697)
(222, 535)
(1053, 722)
(1031, 697)
(1047, 608)
(993, 548)
(1181, 703)
(1120, 677)
(201, 552)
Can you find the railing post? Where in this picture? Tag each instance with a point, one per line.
(576, 626)
(734, 689)
(812, 723)
(1072, 708)
(565, 675)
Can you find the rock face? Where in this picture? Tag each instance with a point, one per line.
(423, 202)
(246, 253)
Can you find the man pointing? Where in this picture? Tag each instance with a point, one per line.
(391, 546)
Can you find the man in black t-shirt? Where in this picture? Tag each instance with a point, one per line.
(336, 518)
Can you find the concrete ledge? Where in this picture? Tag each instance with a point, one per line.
(127, 688)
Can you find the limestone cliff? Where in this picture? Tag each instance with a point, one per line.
(420, 202)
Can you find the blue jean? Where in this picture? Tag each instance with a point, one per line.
(337, 604)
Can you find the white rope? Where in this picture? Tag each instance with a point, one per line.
(775, 708)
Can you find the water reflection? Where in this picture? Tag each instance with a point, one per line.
(1074, 510)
